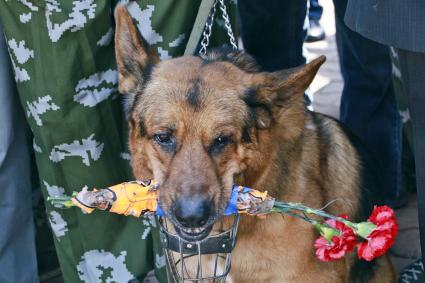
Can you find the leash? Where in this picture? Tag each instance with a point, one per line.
(198, 26)
(203, 26)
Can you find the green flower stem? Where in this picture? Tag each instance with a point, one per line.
(297, 210)
(62, 200)
(288, 207)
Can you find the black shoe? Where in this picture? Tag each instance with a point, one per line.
(413, 273)
(315, 32)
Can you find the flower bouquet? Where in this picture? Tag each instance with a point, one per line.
(338, 235)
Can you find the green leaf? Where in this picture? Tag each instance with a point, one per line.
(363, 229)
(326, 231)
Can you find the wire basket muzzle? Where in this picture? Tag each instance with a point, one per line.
(208, 260)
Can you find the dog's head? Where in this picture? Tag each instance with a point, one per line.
(197, 125)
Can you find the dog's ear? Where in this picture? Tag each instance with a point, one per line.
(278, 91)
(135, 58)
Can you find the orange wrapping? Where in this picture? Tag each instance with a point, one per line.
(130, 198)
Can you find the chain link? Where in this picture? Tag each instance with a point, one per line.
(207, 31)
(225, 17)
(208, 28)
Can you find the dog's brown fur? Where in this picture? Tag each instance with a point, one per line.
(275, 144)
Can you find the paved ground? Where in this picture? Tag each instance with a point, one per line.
(327, 85)
(327, 91)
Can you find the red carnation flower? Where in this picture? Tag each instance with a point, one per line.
(382, 237)
(340, 243)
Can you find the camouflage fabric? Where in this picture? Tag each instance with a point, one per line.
(63, 57)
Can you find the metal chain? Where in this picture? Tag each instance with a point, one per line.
(225, 17)
(207, 31)
(208, 28)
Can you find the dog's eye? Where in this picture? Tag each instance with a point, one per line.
(166, 140)
(220, 143)
(162, 138)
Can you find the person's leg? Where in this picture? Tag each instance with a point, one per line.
(315, 31)
(272, 32)
(18, 262)
(315, 10)
(368, 107)
(412, 67)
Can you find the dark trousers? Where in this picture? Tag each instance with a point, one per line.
(18, 261)
(368, 105)
(272, 31)
(315, 11)
(412, 67)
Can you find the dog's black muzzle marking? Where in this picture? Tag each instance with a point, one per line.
(192, 217)
(193, 212)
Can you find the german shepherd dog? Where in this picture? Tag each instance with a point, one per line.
(200, 125)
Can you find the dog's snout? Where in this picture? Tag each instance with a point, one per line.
(193, 212)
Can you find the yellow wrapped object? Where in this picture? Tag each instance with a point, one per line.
(131, 198)
(138, 198)
(253, 202)
(84, 205)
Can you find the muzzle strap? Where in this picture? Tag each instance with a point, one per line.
(211, 245)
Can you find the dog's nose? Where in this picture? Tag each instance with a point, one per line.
(193, 212)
